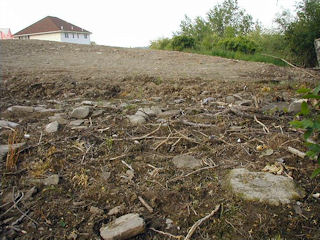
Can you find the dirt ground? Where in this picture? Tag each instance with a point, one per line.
(210, 104)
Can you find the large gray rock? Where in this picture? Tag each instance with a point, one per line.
(59, 117)
(80, 112)
(149, 111)
(21, 109)
(52, 127)
(136, 119)
(4, 149)
(295, 106)
(186, 161)
(263, 187)
(4, 123)
(124, 227)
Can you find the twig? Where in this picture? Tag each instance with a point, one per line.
(187, 138)
(84, 155)
(189, 174)
(198, 223)
(234, 228)
(147, 135)
(265, 129)
(103, 129)
(144, 203)
(128, 166)
(164, 141)
(296, 152)
(19, 198)
(115, 158)
(40, 138)
(166, 234)
(192, 124)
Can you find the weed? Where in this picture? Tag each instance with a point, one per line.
(81, 179)
(109, 143)
(13, 153)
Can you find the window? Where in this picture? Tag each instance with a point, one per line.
(66, 35)
(85, 36)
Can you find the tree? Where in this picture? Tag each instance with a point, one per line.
(301, 33)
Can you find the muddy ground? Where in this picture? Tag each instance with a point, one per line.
(208, 106)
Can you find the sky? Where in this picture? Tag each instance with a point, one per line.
(127, 23)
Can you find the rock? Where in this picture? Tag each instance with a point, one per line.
(124, 227)
(52, 127)
(263, 187)
(51, 180)
(186, 161)
(169, 223)
(149, 112)
(170, 113)
(80, 112)
(30, 193)
(295, 106)
(180, 100)
(21, 109)
(90, 103)
(156, 99)
(243, 103)
(59, 117)
(207, 100)
(96, 210)
(276, 107)
(230, 99)
(4, 123)
(44, 110)
(116, 210)
(76, 122)
(136, 119)
(4, 149)
(97, 113)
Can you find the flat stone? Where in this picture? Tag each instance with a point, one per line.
(295, 106)
(124, 227)
(97, 113)
(277, 107)
(52, 127)
(136, 119)
(51, 180)
(263, 187)
(44, 110)
(4, 123)
(149, 111)
(230, 99)
(4, 149)
(170, 113)
(80, 112)
(116, 210)
(96, 210)
(21, 109)
(186, 161)
(60, 118)
(178, 101)
(76, 122)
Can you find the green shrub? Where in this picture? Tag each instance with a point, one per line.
(182, 42)
(311, 124)
(239, 44)
(161, 44)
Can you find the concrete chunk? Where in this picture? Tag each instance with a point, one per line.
(124, 227)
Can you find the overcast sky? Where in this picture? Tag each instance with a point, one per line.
(126, 23)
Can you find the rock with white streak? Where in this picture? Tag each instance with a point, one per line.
(124, 227)
(21, 109)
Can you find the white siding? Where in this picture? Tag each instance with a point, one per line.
(75, 38)
(47, 36)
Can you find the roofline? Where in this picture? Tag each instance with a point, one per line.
(39, 33)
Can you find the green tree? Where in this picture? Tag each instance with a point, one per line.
(301, 33)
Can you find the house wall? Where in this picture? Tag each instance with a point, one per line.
(47, 36)
(317, 47)
(75, 38)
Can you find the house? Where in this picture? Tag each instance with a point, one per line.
(54, 29)
(5, 33)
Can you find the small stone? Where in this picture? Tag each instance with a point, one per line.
(80, 112)
(97, 113)
(96, 210)
(30, 193)
(263, 187)
(136, 119)
(116, 210)
(21, 109)
(90, 103)
(180, 100)
(76, 122)
(4, 123)
(230, 99)
(170, 113)
(186, 161)
(124, 227)
(60, 118)
(52, 127)
(207, 100)
(156, 99)
(169, 223)
(51, 180)
(150, 112)
(295, 106)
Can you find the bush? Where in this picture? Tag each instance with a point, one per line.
(161, 44)
(182, 42)
(239, 44)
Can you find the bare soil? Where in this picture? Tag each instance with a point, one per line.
(92, 160)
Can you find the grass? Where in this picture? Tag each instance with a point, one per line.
(257, 57)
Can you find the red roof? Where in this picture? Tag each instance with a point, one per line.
(51, 24)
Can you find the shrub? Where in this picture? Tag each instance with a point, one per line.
(311, 124)
(161, 44)
(182, 42)
(239, 44)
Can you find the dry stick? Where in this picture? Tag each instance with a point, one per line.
(166, 234)
(265, 129)
(296, 152)
(197, 223)
(234, 227)
(115, 158)
(189, 174)
(163, 142)
(290, 64)
(84, 155)
(192, 124)
(147, 135)
(144, 203)
(246, 115)
(187, 138)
